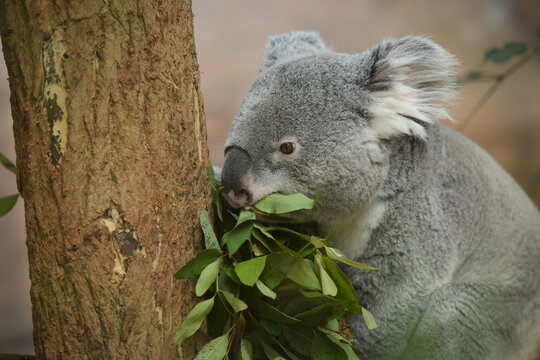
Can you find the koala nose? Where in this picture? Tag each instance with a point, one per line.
(238, 200)
(235, 166)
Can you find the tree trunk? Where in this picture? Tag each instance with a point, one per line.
(113, 168)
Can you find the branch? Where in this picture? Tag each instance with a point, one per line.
(496, 84)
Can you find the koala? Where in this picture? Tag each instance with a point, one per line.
(455, 240)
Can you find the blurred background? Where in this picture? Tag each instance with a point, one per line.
(230, 36)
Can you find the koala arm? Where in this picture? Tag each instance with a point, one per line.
(453, 324)
(450, 323)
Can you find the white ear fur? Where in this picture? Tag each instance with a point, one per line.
(408, 81)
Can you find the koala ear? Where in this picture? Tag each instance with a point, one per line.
(408, 79)
(292, 45)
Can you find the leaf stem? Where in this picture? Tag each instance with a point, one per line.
(334, 331)
(498, 80)
(305, 247)
(231, 333)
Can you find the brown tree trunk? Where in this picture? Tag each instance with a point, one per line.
(113, 169)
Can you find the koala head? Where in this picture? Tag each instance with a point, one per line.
(314, 118)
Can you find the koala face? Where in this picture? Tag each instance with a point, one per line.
(296, 131)
(318, 119)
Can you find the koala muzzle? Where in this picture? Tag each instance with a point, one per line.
(236, 166)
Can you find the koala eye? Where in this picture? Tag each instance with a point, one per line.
(287, 148)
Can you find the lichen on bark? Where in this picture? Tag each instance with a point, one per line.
(55, 93)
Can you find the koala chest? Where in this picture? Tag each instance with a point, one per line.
(352, 235)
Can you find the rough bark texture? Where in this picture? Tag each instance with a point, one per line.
(113, 169)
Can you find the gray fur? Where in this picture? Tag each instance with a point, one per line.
(296, 44)
(455, 239)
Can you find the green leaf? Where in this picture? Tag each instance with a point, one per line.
(302, 274)
(269, 351)
(246, 350)
(289, 231)
(216, 193)
(472, 76)
(322, 313)
(316, 241)
(336, 254)
(269, 244)
(8, 164)
(299, 337)
(220, 318)
(263, 231)
(500, 56)
(7, 203)
(369, 319)
(235, 216)
(342, 343)
(270, 326)
(229, 271)
(217, 200)
(193, 320)
(324, 349)
(306, 251)
(224, 239)
(236, 304)
(249, 271)
(332, 324)
(238, 236)
(245, 215)
(265, 290)
(534, 178)
(210, 240)
(345, 288)
(208, 277)
(218, 203)
(280, 203)
(225, 283)
(277, 265)
(289, 355)
(215, 349)
(268, 311)
(328, 285)
(219, 207)
(197, 264)
(297, 302)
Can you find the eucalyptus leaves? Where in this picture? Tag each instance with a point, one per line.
(8, 202)
(273, 292)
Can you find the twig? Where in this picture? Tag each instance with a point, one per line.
(497, 82)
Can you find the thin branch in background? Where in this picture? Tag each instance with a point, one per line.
(497, 82)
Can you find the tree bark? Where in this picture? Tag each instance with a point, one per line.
(113, 168)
